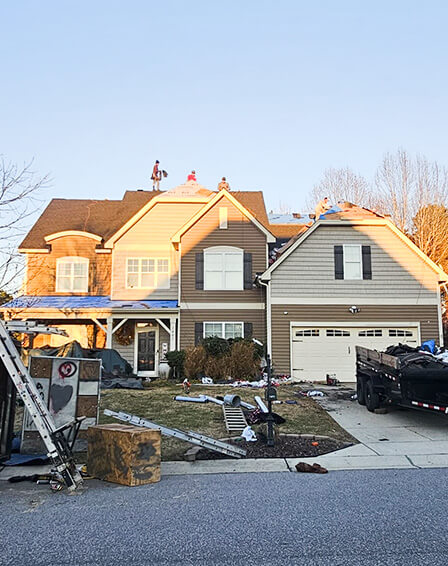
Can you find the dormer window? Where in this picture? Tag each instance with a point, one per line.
(72, 275)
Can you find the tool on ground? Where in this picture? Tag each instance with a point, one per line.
(234, 418)
(259, 401)
(191, 437)
(59, 447)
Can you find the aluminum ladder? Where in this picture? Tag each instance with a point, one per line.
(191, 437)
(57, 445)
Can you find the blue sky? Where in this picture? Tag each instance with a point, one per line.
(267, 93)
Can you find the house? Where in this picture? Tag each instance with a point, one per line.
(350, 279)
(153, 272)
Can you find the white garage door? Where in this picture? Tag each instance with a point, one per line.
(318, 351)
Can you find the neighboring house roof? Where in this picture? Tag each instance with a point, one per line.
(286, 231)
(372, 219)
(283, 218)
(83, 302)
(106, 217)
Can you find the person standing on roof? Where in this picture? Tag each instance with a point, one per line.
(156, 176)
(321, 208)
(223, 185)
(192, 176)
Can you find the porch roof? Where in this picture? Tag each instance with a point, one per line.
(84, 302)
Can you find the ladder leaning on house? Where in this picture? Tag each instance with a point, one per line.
(56, 442)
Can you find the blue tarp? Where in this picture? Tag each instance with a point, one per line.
(84, 302)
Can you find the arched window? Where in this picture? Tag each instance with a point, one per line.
(72, 275)
(223, 268)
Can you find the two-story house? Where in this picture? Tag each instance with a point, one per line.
(350, 279)
(150, 273)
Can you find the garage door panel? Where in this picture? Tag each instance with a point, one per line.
(318, 351)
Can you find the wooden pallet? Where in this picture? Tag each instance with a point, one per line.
(234, 418)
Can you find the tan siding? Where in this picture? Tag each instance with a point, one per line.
(151, 237)
(41, 271)
(397, 271)
(205, 233)
(188, 318)
(427, 315)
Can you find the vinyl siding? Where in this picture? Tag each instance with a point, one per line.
(41, 268)
(240, 233)
(397, 271)
(188, 318)
(151, 237)
(426, 315)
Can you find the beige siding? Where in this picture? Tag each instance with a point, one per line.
(151, 237)
(206, 233)
(397, 271)
(41, 268)
(188, 318)
(426, 315)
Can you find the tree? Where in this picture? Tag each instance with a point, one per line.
(341, 185)
(18, 201)
(430, 232)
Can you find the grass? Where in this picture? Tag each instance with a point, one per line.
(156, 403)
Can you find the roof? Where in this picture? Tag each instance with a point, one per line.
(83, 302)
(106, 217)
(286, 231)
(349, 211)
(280, 218)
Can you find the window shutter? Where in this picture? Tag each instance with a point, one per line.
(200, 270)
(338, 262)
(366, 263)
(248, 330)
(248, 280)
(198, 332)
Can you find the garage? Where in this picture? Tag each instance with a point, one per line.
(330, 349)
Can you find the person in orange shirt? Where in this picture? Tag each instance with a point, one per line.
(156, 176)
(192, 176)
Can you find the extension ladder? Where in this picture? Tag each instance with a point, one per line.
(191, 437)
(57, 445)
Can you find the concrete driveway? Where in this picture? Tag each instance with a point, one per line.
(401, 438)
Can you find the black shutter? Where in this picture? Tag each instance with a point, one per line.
(248, 330)
(198, 332)
(248, 279)
(366, 263)
(338, 262)
(200, 270)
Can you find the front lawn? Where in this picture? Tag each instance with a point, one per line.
(156, 404)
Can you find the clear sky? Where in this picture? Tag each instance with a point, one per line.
(268, 93)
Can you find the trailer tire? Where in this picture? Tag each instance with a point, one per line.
(372, 399)
(361, 391)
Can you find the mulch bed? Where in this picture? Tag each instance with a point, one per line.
(285, 447)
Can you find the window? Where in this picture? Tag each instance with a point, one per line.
(147, 273)
(352, 262)
(337, 332)
(224, 329)
(308, 332)
(72, 275)
(223, 217)
(223, 268)
(399, 333)
(373, 332)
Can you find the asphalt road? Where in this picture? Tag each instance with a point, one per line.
(387, 518)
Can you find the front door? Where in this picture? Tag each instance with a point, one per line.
(146, 352)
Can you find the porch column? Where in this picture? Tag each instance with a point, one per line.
(172, 333)
(109, 332)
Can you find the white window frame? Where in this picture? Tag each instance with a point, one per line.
(223, 250)
(72, 260)
(359, 247)
(223, 327)
(156, 273)
(223, 217)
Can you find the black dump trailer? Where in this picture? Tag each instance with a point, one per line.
(406, 377)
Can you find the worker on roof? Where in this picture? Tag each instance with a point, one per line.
(192, 176)
(321, 208)
(156, 176)
(223, 185)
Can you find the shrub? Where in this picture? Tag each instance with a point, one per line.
(243, 360)
(176, 359)
(195, 360)
(217, 368)
(216, 347)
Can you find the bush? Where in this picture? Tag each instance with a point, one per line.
(176, 359)
(195, 360)
(216, 347)
(243, 360)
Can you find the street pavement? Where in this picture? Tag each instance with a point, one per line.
(350, 518)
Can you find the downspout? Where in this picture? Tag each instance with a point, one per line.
(268, 317)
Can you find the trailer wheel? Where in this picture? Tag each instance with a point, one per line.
(360, 391)
(372, 398)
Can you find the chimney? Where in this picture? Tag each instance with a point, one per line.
(296, 215)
